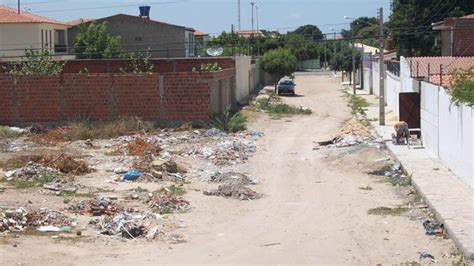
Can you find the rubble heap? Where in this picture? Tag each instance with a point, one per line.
(165, 202)
(233, 178)
(236, 191)
(30, 172)
(20, 219)
(96, 207)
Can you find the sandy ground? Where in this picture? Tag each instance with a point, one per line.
(313, 211)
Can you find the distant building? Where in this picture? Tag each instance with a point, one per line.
(23, 30)
(457, 36)
(142, 34)
(249, 33)
(201, 38)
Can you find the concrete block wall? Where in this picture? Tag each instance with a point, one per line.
(183, 96)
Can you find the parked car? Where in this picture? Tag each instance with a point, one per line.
(287, 86)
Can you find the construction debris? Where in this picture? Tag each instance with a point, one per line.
(30, 172)
(165, 202)
(62, 162)
(232, 178)
(97, 207)
(238, 191)
(140, 147)
(129, 225)
(21, 218)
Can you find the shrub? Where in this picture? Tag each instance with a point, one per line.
(463, 87)
(208, 67)
(280, 62)
(139, 63)
(229, 121)
(35, 63)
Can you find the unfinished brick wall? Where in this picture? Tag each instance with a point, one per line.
(183, 96)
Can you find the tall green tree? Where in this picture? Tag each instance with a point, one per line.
(280, 63)
(93, 42)
(410, 23)
(310, 32)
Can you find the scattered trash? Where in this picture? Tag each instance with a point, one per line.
(140, 147)
(62, 163)
(239, 192)
(214, 132)
(48, 228)
(96, 207)
(31, 171)
(425, 255)
(432, 228)
(21, 218)
(131, 175)
(165, 202)
(128, 225)
(256, 134)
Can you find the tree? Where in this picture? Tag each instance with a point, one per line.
(366, 31)
(280, 63)
(302, 48)
(93, 42)
(463, 87)
(310, 32)
(410, 24)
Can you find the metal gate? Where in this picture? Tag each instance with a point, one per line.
(410, 108)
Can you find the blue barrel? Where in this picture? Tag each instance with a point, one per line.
(144, 11)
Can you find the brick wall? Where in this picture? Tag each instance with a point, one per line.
(461, 31)
(182, 96)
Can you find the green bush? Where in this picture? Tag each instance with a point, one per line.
(35, 63)
(229, 121)
(280, 62)
(139, 63)
(463, 87)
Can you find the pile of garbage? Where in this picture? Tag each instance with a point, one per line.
(233, 178)
(166, 202)
(235, 191)
(229, 152)
(151, 169)
(394, 172)
(21, 218)
(97, 207)
(30, 172)
(129, 225)
(62, 163)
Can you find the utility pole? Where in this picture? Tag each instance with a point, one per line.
(353, 61)
(252, 36)
(18, 6)
(382, 72)
(258, 32)
(238, 15)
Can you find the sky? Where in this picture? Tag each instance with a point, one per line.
(214, 16)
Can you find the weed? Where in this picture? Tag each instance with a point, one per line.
(357, 104)
(367, 188)
(140, 190)
(26, 184)
(388, 211)
(163, 210)
(72, 194)
(229, 121)
(174, 190)
(274, 107)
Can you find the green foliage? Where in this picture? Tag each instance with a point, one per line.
(229, 121)
(463, 87)
(208, 67)
(309, 32)
(280, 62)
(274, 107)
(418, 15)
(174, 190)
(25, 184)
(138, 63)
(301, 48)
(35, 63)
(358, 104)
(93, 42)
(342, 59)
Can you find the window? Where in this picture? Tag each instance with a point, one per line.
(138, 39)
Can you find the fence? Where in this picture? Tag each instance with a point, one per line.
(183, 96)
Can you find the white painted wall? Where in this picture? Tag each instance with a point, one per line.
(376, 78)
(456, 133)
(15, 38)
(429, 117)
(405, 79)
(367, 79)
(243, 66)
(392, 88)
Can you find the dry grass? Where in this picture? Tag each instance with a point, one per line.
(140, 147)
(84, 130)
(61, 162)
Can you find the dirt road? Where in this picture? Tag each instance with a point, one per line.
(314, 210)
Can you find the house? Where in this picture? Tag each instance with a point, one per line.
(249, 33)
(201, 38)
(21, 30)
(142, 34)
(457, 36)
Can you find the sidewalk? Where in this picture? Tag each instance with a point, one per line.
(442, 190)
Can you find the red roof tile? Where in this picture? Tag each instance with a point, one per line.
(10, 16)
(79, 21)
(420, 65)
